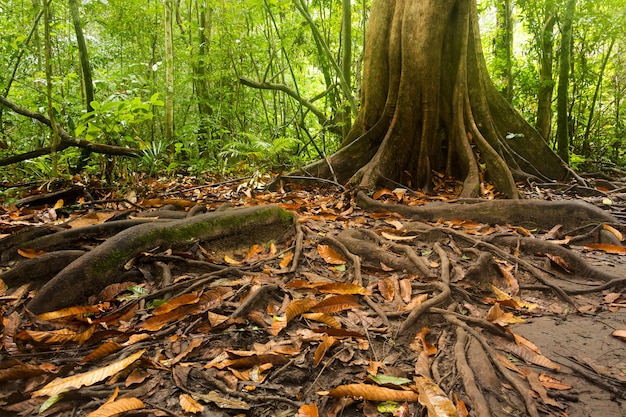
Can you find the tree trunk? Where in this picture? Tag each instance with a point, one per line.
(504, 47)
(51, 115)
(428, 104)
(546, 82)
(594, 100)
(346, 58)
(83, 56)
(562, 130)
(169, 73)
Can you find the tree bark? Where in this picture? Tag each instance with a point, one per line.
(562, 130)
(85, 66)
(504, 47)
(169, 72)
(346, 58)
(546, 81)
(428, 104)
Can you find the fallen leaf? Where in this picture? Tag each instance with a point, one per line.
(336, 304)
(190, 405)
(284, 263)
(434, 399)
(326, 343)
(297, 307)
(605, 247)
(115, 408)
(342, 288)
(330, 255)
(60, 385)
(308, 410)
(614, 231)
(372, 393)
(620, 334)
(396, 237)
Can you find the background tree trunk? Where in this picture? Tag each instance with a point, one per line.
(546, 81)
(504, 47)
(346, 58)
(169, 73)
(562, 130)
(428, 104)
(49, 94)
(83, 56)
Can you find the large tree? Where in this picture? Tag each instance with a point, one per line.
(427, 103)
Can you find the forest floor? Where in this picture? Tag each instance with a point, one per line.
(351, 312)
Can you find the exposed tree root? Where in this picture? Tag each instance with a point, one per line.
(105, 264)
(527, 213)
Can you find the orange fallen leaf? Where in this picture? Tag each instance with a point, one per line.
(620, 334)
(297, 307)
(190, 405)
(343, 288)
(308, 410)
(373, 393)
(336, 304)
(614, 231)
(115, 408)
(284, 263)
(326, 343)
(176, 302)
(330, 255)
(605, 247)
(60, 385)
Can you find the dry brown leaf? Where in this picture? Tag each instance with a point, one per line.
(498, 316)
(605, 247)
(284, 263)
(308, 410)
(373, 393)
(189, 404)
(558, 260)
(614, 231)
(326, 343)
(553, 383)
(252, 359)
(381, 192)
(60, 385)
(73, 311)
(29, 253)
(102, 350)
(330, 255)
(342, 288)
(525, 343)
(117, 407)
(297, 307)
(434, 399)
(61, 336)
(391, 236)
(156, 323)
(336, 304)
(386, 289)
(531, 357)
(176, 302)
(535, 385)
(231, 261)
(323, 318)
(405, 290)
(620, 334)
(23, 371)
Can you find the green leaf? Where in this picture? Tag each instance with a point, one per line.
(387, 379)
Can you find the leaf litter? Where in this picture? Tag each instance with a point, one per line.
(310, 343)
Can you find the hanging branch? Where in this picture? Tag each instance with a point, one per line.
(66, 140)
